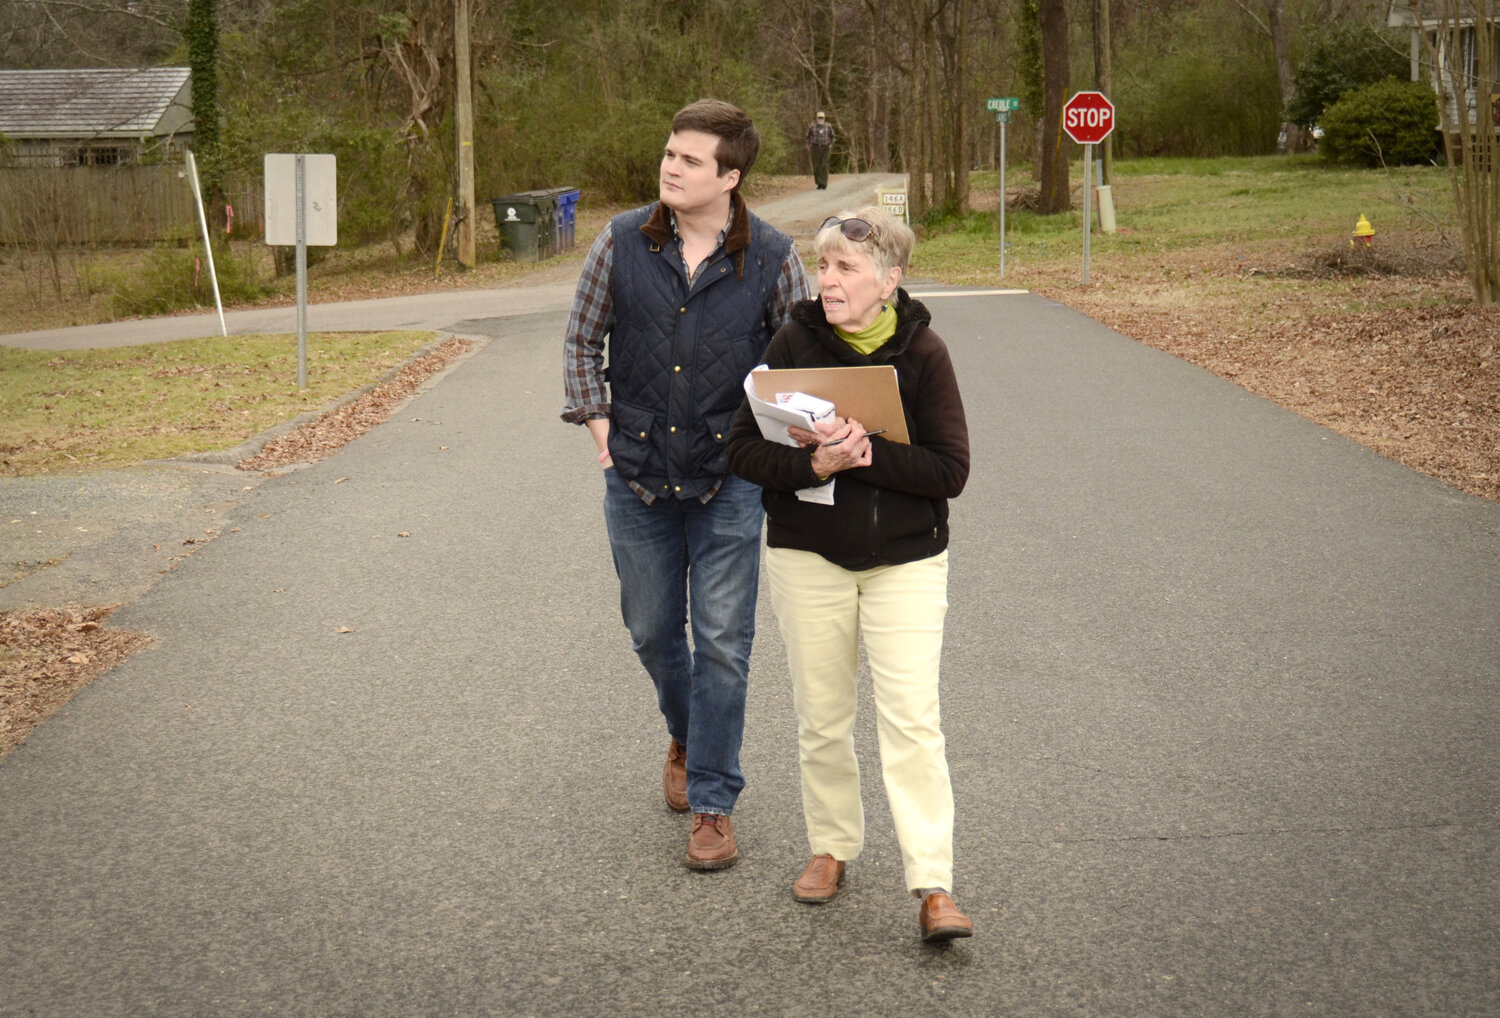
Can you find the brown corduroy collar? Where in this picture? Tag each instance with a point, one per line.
(659, 228)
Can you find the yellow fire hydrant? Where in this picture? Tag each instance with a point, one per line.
(1364, 233)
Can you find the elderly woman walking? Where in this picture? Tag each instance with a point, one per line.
(873, 564)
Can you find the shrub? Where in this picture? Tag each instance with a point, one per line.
(1347, 58)
(1390, 122)
(173, 278)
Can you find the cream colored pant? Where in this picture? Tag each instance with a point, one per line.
(823, 609)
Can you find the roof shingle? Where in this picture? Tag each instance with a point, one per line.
(92, 102)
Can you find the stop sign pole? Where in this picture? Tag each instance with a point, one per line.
(1088, 118)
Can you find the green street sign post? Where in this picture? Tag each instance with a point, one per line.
(1002, 108)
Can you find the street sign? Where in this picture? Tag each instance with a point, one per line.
(1088, 118)
(1004, 105)
(302, 201)
(318, 198)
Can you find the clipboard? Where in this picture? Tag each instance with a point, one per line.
(868, 393)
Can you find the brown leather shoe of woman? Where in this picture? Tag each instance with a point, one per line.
(941, 919)
(820, 881)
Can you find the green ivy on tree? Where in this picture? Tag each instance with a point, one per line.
(202, 34)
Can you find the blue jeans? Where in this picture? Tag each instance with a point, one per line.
(687, 561)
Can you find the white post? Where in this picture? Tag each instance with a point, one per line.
(301, 272)
(213, 278)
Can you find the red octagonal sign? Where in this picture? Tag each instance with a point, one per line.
(1088, 118)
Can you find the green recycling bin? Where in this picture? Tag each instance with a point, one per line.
(526, 224)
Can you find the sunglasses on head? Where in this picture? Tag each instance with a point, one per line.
(852, 229)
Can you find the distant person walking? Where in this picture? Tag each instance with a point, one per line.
(819, 142)
(684, 294)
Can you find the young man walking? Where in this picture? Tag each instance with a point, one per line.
(683, 295)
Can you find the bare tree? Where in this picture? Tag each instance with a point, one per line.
(808, 31)
(1104, 75)
(1274, 24)
(100, 33)
(1053, 178)
(1462, 41)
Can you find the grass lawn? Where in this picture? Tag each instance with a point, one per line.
(86, 409)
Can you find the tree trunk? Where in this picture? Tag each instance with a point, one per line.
(203, 57)
(1472, 142)
(916, 125)
(1055, 196)
(961, 93)
(1291, 134)
(1103, 76)
(938, 126)
(1029, 63)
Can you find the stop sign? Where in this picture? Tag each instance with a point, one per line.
(1088, 118)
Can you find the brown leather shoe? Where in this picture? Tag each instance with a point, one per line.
(820, 881)
(674, 777)
(711, 845)
(941, 919)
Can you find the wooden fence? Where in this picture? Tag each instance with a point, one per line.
(51, 207)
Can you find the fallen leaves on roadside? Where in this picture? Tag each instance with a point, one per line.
(342, 425)
(46, 656)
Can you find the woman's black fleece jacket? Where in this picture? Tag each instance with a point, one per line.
(896, 509)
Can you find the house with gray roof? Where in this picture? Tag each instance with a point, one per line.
(95, 116)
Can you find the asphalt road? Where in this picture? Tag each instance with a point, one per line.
(1220, 689)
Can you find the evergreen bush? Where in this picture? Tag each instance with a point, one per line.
(1346, 58)
(1391, 122)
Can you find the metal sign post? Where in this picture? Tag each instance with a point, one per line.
(1002, 108)
(301, 187)
(1088, 210)
(301, 209)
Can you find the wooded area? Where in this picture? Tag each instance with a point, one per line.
(581, 94)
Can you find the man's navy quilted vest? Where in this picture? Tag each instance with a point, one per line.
(678, 356)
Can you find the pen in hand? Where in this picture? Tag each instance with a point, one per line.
(877, 431)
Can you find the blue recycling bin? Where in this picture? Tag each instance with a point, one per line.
(567, 218)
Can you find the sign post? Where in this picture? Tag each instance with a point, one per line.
(301, 209)
(1088, 118)
(1002, 108)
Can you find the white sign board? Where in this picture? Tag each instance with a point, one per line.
(893, 201)
(320, 199)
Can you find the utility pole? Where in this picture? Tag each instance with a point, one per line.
(464, 109)
(1103, 73)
